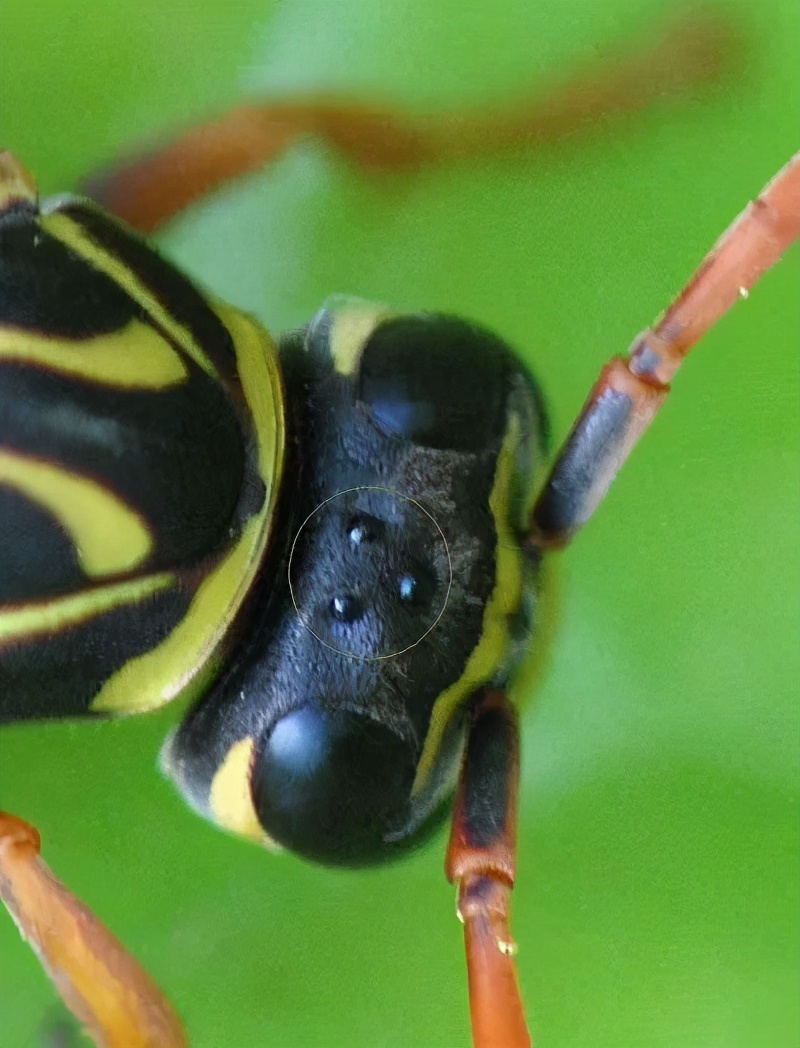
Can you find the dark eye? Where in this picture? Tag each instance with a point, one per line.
(333, 785)
(437, 381)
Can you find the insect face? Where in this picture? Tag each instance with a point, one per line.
(337, 731)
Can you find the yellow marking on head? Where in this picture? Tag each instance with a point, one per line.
(59, 613)
(490, 652)
(70, 233)
(230, 801)
(109, 537)
(188, 657)
(135, 357)
(353, 320)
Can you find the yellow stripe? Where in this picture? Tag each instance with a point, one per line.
(135, 357)
(109, 537)
(352, 321)
(491, 650)
(70, 233)
(260, 375)
(33, 620)
(230, 801)
(187, 658)
(148, 681)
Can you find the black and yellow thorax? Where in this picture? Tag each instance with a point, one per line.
(141, 450)
(321, 544)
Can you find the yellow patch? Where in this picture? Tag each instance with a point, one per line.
(230, 801)
(491, 650)
(73, 236)
(148, 681)
(260, 374)
(32, 620)
(352, 322)
(135, 357)
(186, 658)
(109, 537)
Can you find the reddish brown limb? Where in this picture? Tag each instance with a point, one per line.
(481, 859)
(17, 184)
(101, 983)
(151, 188)
(630, 390)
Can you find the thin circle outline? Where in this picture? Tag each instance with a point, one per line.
(429, 515)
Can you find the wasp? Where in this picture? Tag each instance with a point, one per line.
(331, 545)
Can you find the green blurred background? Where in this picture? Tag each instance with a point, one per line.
(657, 902)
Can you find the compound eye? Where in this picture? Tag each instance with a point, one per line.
(333, 785)
(435, 380)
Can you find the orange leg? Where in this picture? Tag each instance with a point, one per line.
(481, 856)
(481, 859)
(151, 187)
(630, 390)
(101, 983)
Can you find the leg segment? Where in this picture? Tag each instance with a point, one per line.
(630, 390)
(100, 982)
(151, 188)
(481, 859)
